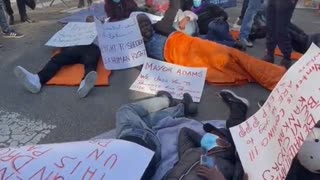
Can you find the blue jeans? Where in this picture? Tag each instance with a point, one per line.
(155, 46)
(3, 21)
(134, 120)
(253, 7)
(218, 31)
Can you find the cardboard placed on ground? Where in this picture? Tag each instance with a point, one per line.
(97, 159)
(121, 44)
(74, 34)
(158, 75)
(269, 140)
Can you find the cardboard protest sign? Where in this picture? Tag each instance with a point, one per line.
(157, 75)
(100, 159)
(269, 140)
(74, 34)
(121, 44)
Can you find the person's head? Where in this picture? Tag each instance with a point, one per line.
(145, 26)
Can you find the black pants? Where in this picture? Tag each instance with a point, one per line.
(86, 55)
(244, 8)
(21, 7)
(279, 13)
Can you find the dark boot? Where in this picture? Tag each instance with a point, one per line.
(269, 58)
(190, 108)
(27, 19)
(239, 46)
(286, 62)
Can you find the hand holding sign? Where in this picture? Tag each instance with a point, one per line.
(269, 140)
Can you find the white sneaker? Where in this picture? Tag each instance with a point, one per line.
(246, 42)
(30, 81)
(87, 84)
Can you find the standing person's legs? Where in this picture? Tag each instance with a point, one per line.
(253, 7)
(9, 11)
(271, 41)
(3, 21)
(243, 10)
(89, 59)
(34, 82)
(284, 12)
(23, 11)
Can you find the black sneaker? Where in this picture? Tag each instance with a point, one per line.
(168, 95)
(12, 34)
(240, 46)
(190, 108)
(11, 19)
(286, 63)
(229, 97)
(261, 103)
(268, 58)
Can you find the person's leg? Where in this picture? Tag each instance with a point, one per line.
(8, 8)
(247, 22)
(3, 21)
(271, 32)
(67, 56)
(22, 9)
(284, 13)
(89, 59)
(174, 112)
(34, 82)
(238, 107)
(243, 9)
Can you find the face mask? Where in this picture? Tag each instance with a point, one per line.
(196, 3)
(116, 1)
(209, 141)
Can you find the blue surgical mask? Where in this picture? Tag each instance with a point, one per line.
(209, 141)
(116, 1)
(197, 3)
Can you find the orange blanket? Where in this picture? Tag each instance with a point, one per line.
(225, 65)
(72, 75)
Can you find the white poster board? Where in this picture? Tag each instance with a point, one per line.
(153, 18)
(74, 34)
(269, 140)
(158, 75)
(109, 159)
(121, 44)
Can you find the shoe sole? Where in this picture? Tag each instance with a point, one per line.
(13, 37)
(21, 76)
(90, 81)
(244, 100)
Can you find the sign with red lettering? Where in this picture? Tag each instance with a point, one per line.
(269, 140)
(177, 80)
(121, 44)
(100, 159)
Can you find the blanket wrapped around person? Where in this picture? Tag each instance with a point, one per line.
(226, 66)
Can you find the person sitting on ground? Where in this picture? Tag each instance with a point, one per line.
(225, 65)
(216, 145)
(135, 122)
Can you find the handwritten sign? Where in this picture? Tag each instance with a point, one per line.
(269, 140)
(74, 34)
(157, 75)
(121, 44)
(100, 159)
